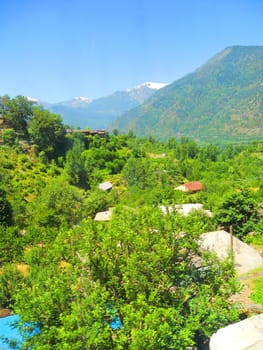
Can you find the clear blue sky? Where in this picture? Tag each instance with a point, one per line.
(57, 49)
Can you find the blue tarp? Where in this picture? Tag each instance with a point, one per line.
(10, 338)
(115, 323)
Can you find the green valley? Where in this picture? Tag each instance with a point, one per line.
(139, 278)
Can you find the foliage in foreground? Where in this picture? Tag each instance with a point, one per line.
(140, 269)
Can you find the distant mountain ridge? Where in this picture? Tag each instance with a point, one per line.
(99, 113)
(221, 100)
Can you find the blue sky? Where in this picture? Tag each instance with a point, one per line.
(57, 49)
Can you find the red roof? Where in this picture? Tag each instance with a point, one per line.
(193, 186)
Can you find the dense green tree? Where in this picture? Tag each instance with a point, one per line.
(138, 172)
(10, 281)
(209, 152)
(74, 165)
(238, 209)
(11, 244)
(58, 204)
(47, 132)
(17, 112)
(9, 137)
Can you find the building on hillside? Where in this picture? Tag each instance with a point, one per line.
(88, 132)
(193, 186)
(105, 186)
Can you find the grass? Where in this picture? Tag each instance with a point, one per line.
(257, 292)
(254, 280)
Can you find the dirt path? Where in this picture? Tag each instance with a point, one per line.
(243, 298)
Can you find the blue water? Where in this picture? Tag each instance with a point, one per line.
(10, 338)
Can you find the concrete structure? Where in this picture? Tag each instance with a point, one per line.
(105, 186)
(185, 209)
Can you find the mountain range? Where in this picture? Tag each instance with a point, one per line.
(84, 112)
(220, 101)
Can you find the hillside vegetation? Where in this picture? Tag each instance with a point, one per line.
(221, 101)
(139, 280)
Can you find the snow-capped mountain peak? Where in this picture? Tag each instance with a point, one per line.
(144, 91)
(31, 99)
(81, 99)
(151, 85)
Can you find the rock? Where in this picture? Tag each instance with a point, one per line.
(244, 335)
(5, 312)
(246, 258)
(103, 216)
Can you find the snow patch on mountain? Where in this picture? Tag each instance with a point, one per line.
(151, 85)
(81, 99)
(31, 99)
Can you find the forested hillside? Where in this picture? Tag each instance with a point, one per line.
(140, 279)
(220, 101)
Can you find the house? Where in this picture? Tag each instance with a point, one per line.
(86, 132)
(193, 186)
(105, 186)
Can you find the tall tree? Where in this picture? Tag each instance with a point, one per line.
(47, 132)
(17, 112)
(59, 204)
(138, 172)
(74, 165)
(240, 210)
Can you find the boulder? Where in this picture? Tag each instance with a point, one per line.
(246, 258)
(103, 216)
(5, 312)
(244, 335)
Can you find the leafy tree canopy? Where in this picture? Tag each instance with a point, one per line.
(47, 131)
(240, 210)
(17, 112)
